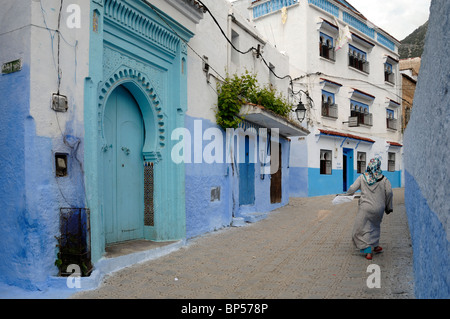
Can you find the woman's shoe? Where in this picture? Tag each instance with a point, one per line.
(369, 256)
(378, 249)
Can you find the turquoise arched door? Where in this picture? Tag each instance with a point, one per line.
(123, 176)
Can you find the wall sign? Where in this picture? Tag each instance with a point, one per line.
(11, 67)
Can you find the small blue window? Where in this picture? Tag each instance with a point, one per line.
(388, 67)
(390, 114)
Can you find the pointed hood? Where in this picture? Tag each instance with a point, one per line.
(373, 172)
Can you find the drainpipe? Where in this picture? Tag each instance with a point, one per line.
(229, 35)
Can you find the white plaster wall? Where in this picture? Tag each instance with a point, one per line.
(289, 37)
(14, 23)
(208, 41)
(178, 10)
(73, 61)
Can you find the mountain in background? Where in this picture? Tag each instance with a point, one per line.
(412, 46)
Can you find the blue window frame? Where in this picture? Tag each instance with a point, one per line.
(327, 97)
(326, 46)
(390, 114)
(358, 59)
(361, 111)
(329, 109)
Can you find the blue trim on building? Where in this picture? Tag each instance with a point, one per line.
(358, 25)
(271, 6)
(385, 41)
(327, 6)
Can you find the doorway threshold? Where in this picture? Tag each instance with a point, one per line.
(133, 246)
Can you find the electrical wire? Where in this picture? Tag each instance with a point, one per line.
(57, 64)
(252, 49)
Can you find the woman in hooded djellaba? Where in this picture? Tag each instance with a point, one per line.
(376, 199)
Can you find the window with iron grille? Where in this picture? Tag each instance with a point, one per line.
(361, 162)
(325, 162)
(391, 162)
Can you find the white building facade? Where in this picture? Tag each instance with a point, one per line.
(345, 70)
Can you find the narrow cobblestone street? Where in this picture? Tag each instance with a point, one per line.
(302, 250)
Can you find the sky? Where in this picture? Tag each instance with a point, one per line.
(399, 18)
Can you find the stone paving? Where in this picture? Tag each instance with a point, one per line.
(302, 250)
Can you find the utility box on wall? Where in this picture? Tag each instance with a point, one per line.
(59, 103)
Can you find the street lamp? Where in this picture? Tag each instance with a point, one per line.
(300, 111)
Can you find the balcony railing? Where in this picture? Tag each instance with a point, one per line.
(358, 63)
(391, 124)
(330, 110)
(358, 118)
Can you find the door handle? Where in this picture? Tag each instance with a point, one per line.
(126, 150)
(106, 147)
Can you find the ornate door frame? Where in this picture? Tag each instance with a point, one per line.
(140, 47)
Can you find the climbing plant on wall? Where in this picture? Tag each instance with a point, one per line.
(236, 91)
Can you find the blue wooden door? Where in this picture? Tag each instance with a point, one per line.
(123, 182)
(347, 168)
(247, 178)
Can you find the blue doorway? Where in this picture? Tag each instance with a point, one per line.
(247, 178)
(347, 174)
(123, 177)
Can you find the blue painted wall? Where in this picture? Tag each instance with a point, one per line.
(430, 244)
(15, 87)
(319, 185)
(394, 177)
(427, 153)
(304, 182)
(298, 181)
(204, 215)
(31, 195)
